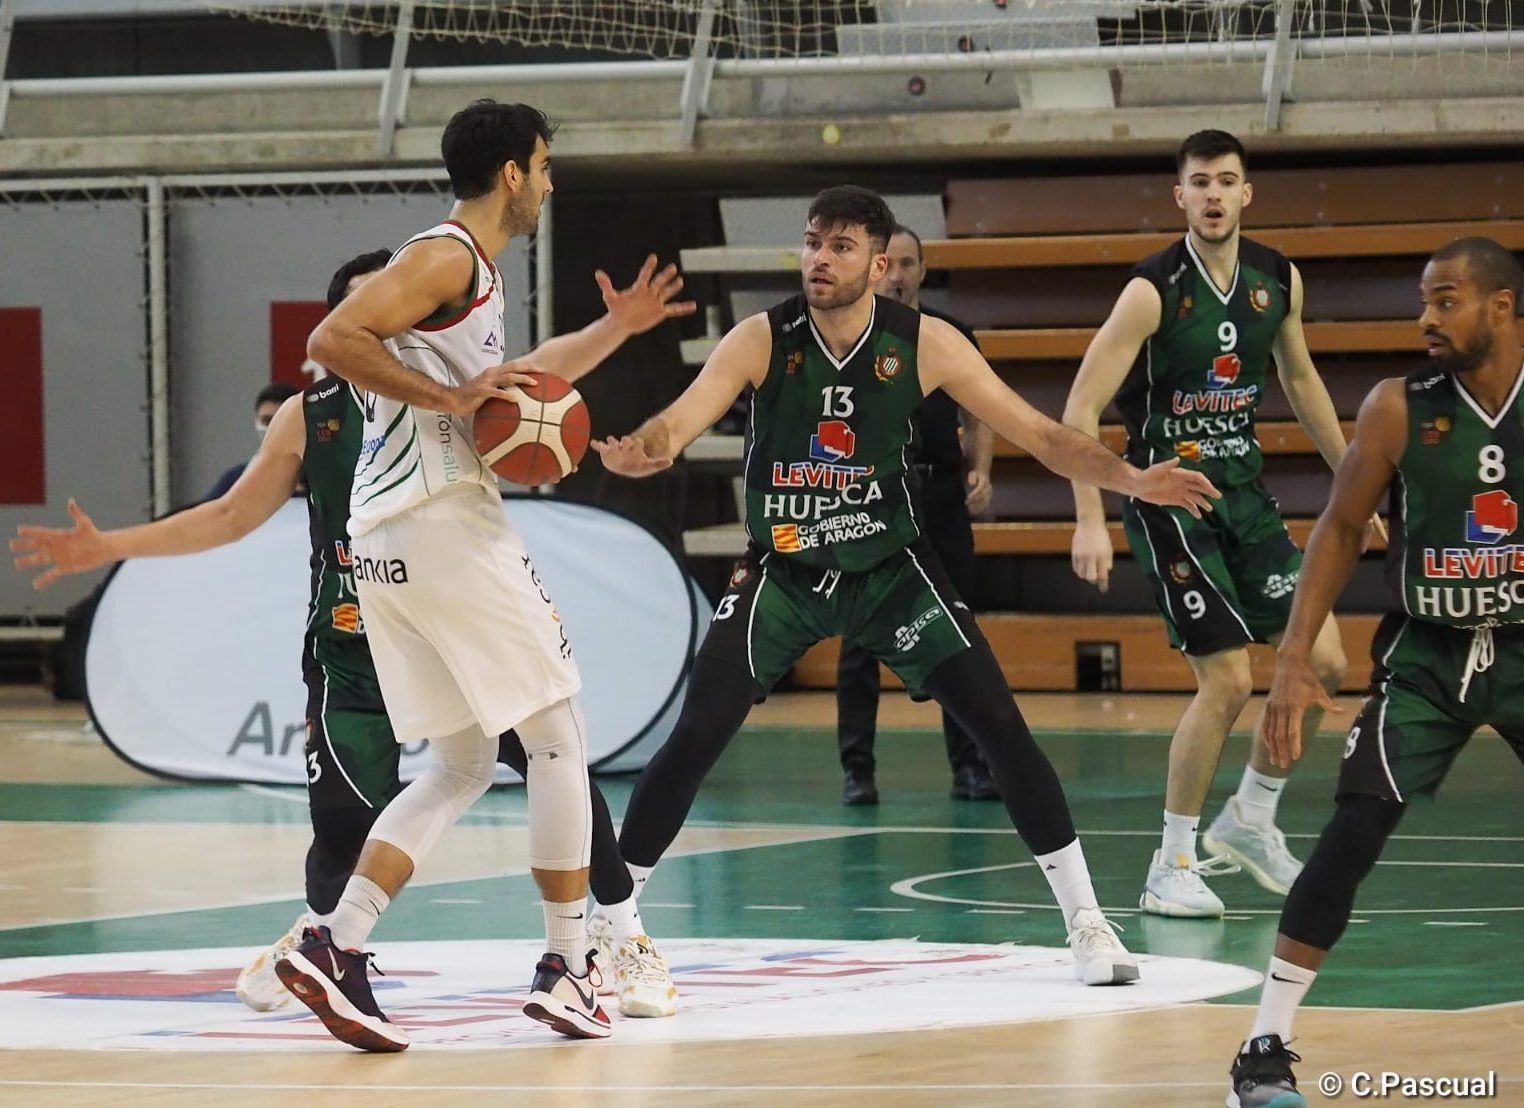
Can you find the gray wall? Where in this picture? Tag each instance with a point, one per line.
(229, 259)
(82, 264)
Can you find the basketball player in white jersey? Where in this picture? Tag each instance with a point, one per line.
(466, 642)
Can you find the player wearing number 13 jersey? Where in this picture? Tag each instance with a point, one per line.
(1186, 354)
(838, 374)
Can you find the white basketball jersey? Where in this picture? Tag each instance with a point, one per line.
(411, 454)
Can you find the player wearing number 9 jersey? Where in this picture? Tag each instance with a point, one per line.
(1185, 354)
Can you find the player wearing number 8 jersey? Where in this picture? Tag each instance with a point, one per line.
(838, 374)
(1186, 354)
(1447, 442)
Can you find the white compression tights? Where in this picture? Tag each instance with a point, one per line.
(462, 769)
(560, 812)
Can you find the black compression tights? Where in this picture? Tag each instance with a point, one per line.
(719, 697)
(607, 877)
(1320, 902)
(971, 688)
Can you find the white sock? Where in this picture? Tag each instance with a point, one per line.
(1258, 797)
(319, 919)
(1179, 838)
(360, 906)
(566, 932)
(1285, 986)
(640, 875)
(1069, 878)
(624, 920)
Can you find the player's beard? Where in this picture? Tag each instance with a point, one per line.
(1218, 238)
(522, 215)
(839, 295)
(1465, 359)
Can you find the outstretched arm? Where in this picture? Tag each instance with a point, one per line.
(266, 484)
(1364, 474)
(739, 360)
(632, 311)
(949, 361)
(1107, 359)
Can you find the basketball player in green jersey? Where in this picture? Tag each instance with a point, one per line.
(1447, 443)
(834, 547)
(351, 754)
(1185, 353)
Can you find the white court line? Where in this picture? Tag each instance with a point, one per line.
(617, 1088)
(773, 907)
(883, 909)
(1455, 923)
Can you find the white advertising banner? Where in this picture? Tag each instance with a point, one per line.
(193, 668)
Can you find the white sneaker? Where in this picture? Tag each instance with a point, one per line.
(645, 983)
(1176, 888)
(258, 987)
(1099, 956)
(1261, 851)
(600, 932)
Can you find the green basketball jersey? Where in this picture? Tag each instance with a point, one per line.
(1194, 389)
(335, 631)
(1456, 556)
(827, 444)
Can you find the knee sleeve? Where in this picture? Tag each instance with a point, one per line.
(1320, 903)
(461, 771)
(560, 812)
(337, 836)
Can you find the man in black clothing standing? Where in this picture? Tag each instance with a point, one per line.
(946, 500)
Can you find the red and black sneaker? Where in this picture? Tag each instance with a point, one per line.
(335, 984)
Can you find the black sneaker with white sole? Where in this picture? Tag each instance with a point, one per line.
(335, 984)
(565, 1002)
(1262, 1076)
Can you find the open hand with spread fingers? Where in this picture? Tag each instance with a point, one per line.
(62, 551)
(627, 457)
(649, 300)
(1172, 486)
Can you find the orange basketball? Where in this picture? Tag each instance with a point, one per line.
(538, 442)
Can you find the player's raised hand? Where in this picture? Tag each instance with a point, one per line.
(501, 381)
(1169, 485)
(627, 457)
(1091, 555)
(77, 549)
(1293, 690)
(649, 300)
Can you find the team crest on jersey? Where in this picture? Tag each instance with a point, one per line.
(740, 575)
(1494, 515)
(1180, 571)
(887, 366)
(1224, 371)
(1259, 297)
(346, 618)
(1432, 432)
(1189, 451)
(327, 429)
(1187, 305)
(794, 362)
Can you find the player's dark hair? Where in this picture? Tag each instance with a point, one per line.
(1493, 267)
(278, 393)
(901, 229)
(358, 266)
(1208, 146)
(483, 137)
(854, 206)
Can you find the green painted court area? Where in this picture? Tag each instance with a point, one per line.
(1440, 924)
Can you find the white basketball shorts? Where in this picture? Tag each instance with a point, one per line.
(460, 627)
